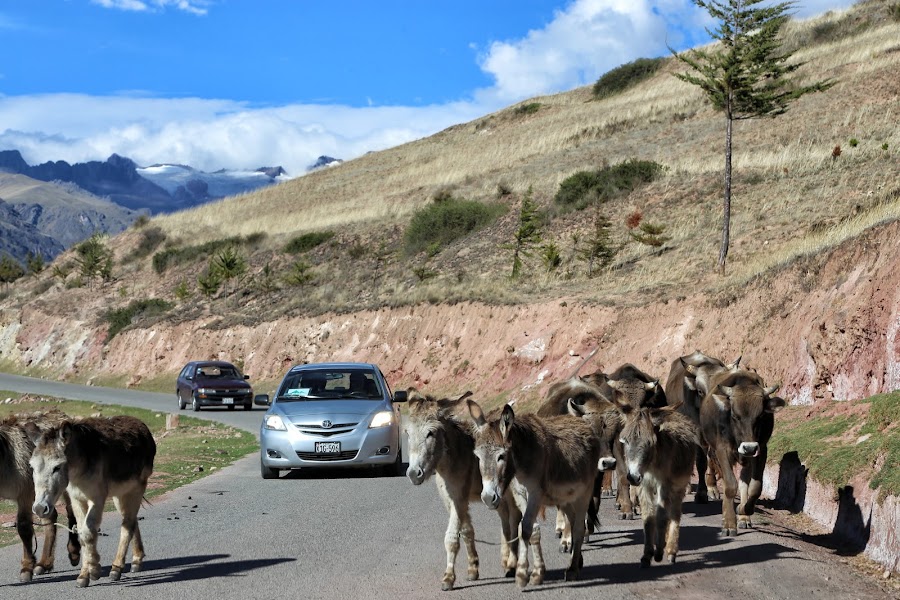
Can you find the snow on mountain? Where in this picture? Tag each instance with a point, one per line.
(213, 185)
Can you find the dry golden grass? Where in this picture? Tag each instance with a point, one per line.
(790, 198)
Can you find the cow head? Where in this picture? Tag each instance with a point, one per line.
(700, 369)
(493, 448)
(745, 405)
(637, 392)
(606, 422)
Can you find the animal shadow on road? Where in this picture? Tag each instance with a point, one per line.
(182, 568)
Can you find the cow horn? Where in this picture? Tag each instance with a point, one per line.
(736, 363)
(614, 384)
(651, 385)
(464, 396)
(771, 390)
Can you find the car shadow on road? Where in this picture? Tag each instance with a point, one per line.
(340, 473)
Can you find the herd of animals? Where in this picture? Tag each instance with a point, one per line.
(710, 413)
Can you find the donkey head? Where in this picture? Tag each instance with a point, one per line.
(427, 436)
(49, 464)
(639, 436)
(494, 451)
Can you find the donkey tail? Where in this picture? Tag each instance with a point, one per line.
(593, 515)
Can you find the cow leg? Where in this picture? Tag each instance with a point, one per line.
(45, 564)
(702, 496)
(25, 529)
(606, 485)
(712, 468)
(726, 470)
(751, 488)
(509, 525)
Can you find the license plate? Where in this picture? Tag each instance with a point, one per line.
(328, 447)
(227, 400)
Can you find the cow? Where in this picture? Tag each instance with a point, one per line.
(687, 385)
(659, 445)
(441, 444)
(554, 459)
(737, 418)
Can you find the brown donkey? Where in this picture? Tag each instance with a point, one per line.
(441, 444)
(17, 484)
(93, 459)
(554, 459)
(659, 445)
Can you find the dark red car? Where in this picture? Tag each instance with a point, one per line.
(213, 383)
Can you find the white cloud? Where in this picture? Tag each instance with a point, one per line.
(197, 7)
(582, 42)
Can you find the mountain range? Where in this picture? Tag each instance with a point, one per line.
(46, 208)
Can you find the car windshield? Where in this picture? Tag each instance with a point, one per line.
(336, 384)
(217, 372)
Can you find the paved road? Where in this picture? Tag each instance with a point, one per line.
(339, 535)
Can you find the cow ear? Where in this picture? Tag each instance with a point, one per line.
(774, 404)
(723, 402)
(476, 413)
(464, 396)
(622, 403)
(33, 432)
(575, 409)
(506, 420)
(691, 369)
(690, 383)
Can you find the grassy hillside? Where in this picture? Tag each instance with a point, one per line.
(337, 239)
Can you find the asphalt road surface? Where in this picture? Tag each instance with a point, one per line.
(347, 535)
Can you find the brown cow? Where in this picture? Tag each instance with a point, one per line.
(687, 385)
(553, 458)
(736, 421)
(442, 445)
(659, 447)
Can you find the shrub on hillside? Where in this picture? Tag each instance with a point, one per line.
(307, 241)
(120, 318)
(527, 109)
(584, 188)
(446, 220)
(625, 76)
(175, 256)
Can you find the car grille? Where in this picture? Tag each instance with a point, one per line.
(345, 455)
(320, 431)
(226, 393)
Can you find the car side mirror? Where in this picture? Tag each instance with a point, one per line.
(246, 377)
(190, 377)
(400, 396)
(262, 400)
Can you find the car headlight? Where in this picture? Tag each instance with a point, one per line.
(202, 392)
(381, 419)
(274, 422)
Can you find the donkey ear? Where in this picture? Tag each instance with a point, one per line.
(575, 409)
(735, 364)
(476, 413)
(723, 402)
(506, 420)
(65, 433)
(33, 432)
(464, 396)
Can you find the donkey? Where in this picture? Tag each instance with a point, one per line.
(16, 484)
(579, 397)
(659, 446)
(92, 459)
(553, 458)
(442, 445)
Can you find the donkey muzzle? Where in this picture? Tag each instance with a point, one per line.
(491, 498)
(41, 508)
(415, 474)
(607, 463)
(634, 478)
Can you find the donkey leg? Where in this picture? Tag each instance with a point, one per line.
(648, 517)
(525, 530)
(25, 529)
(538, 566)
(509, 525)
(702, 495)
(575, 514)
(73, 546)
(673, 509)
(88, 518)
(662, 527)
(467, 533)
(560, 523)
(48, 552)
(128, 505)
(565, 541)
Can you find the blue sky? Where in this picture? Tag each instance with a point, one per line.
(248, 83)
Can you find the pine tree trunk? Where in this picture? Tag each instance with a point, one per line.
(726, 212)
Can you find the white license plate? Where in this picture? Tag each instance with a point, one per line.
(227, 400)
(328, 447)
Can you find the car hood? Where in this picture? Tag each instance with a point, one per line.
(318, 409)
(222, 383)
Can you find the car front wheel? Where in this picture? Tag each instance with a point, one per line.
(268, 473)
(195, 404)
(181, 403)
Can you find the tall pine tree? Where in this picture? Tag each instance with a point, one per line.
(746, 75)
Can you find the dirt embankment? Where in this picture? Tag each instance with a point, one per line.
(826, 327)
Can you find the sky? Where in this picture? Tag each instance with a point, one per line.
(242, 84)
